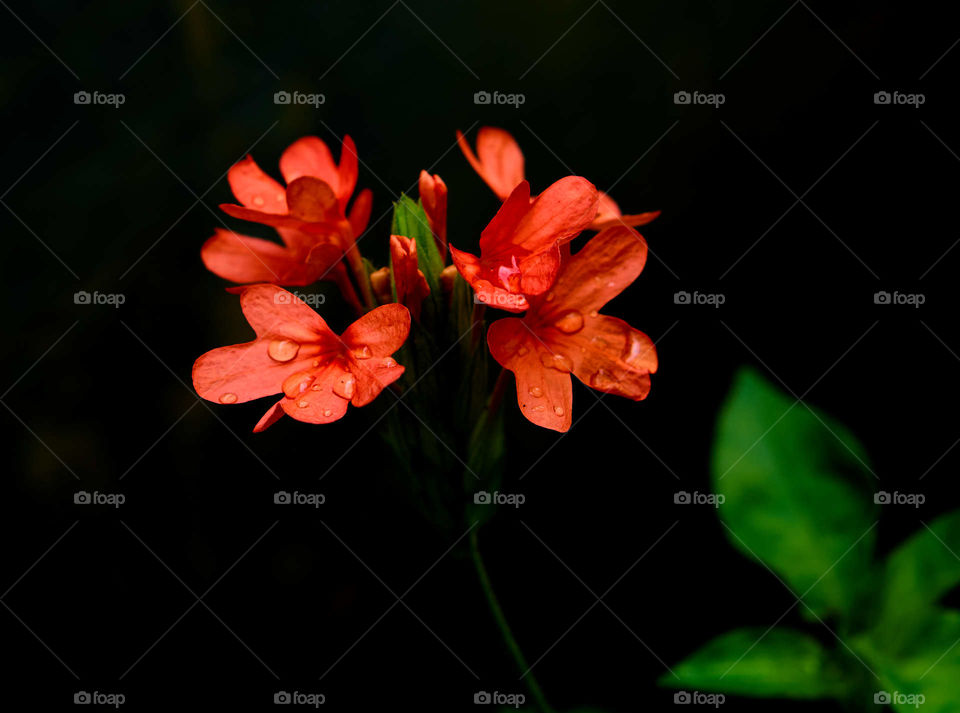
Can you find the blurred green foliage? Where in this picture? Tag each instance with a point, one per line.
(798, 496)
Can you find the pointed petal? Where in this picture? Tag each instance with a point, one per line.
(382, 330)
(273, 414)
(499, 161)
(360, 212)
(600, 271)
(255, 189)
(629, 220)
(410, 282)
(497, 239)
(544, 393)
(240, 373)
(611, 356)
(347, 172)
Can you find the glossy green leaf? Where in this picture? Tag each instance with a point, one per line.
(779, 663)
(798, 494)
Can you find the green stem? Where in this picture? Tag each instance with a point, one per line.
(501, 620)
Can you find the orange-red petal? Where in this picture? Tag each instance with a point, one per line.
(255, 189)
(611, 356)
(360, 212)
(410, 282)
(433, 195)
(498, 161)
(243, 259)
(544, 388)
(382, 331)
(320, 403)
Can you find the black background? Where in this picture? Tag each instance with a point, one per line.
(110, 396)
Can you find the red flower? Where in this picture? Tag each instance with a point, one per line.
(562, 333)
(411, 285)
(301, 260)
(433, 195)
(499, 162)
(296, 353)
(520, 248)
(317, 193)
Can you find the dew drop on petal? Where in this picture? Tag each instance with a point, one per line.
(258, 200)
(283, 349)
(556, 361)
(522, 351)
(228, 398)
(594, 313)
(327, 413)
(538, 409)
(536, 391)
(389, 362)
(558, 410)
(362, 352)
(345, 386)
(570, 323)
(636, 352)
(603, 380)
(316, 363)
(303, 403)
(316, 387)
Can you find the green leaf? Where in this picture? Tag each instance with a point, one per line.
(783, 663)
(410, 220)
(929, 667)
(797, 494)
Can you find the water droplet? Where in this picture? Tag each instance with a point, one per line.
(638, 351)
(258, 200)
(603, 380)
(303, 403)
(316, 387)
(556, 361)
(296, 384)
(570, 323)
(536, 391)
(345, 386)
(538, 409)
(522, 351)
(228, 398)
(316, 363)
(389, 362)
(327, 413)
(558, 410)
(594, 313)
(283, 349)
(362, 352)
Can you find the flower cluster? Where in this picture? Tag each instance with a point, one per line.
(525, 267)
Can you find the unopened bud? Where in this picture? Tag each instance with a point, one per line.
(380, 282)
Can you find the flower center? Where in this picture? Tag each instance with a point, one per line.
(509, 276)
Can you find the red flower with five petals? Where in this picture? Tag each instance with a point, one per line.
(520, 248)
(296, 353)
(563, 333)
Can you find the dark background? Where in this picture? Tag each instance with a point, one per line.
(113, 206)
